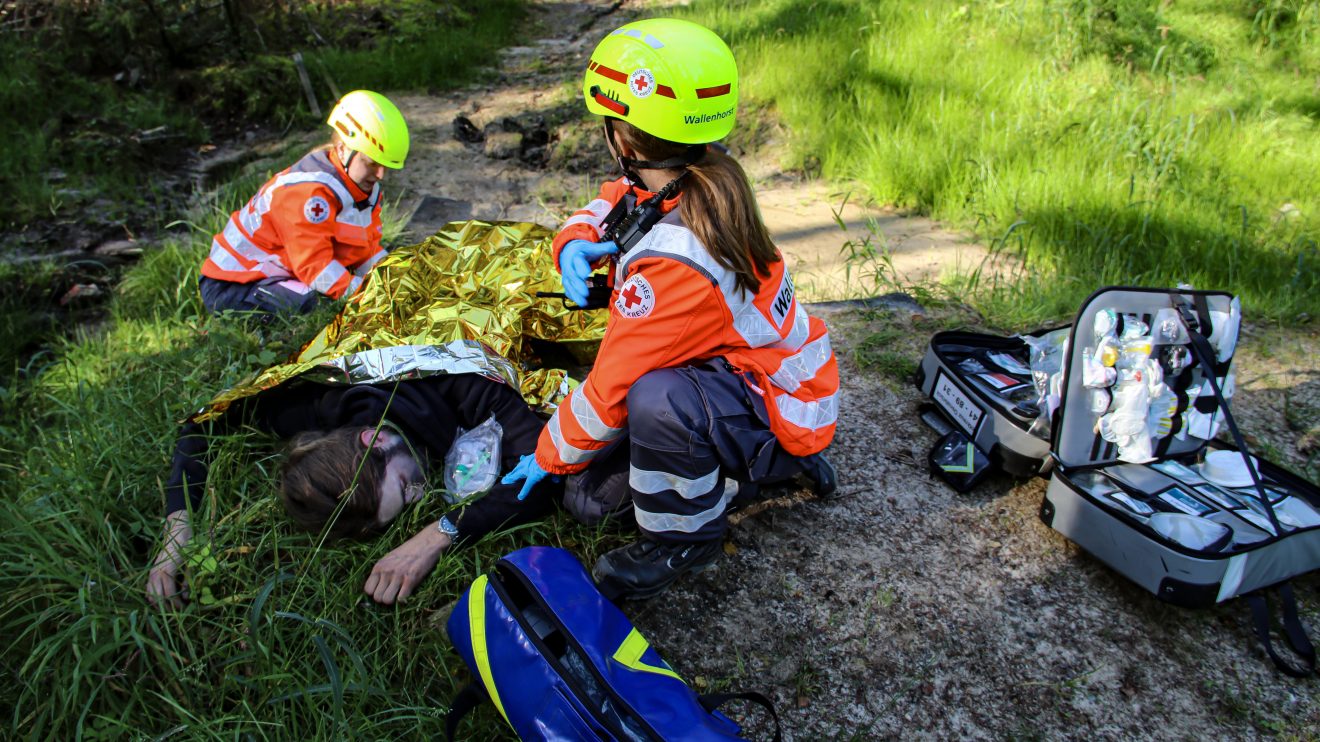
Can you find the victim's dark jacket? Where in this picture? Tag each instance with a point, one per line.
(429, 413)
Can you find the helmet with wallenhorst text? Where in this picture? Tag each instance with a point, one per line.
(369, 123)
(672, 79)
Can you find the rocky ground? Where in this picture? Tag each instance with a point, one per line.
(906, 610)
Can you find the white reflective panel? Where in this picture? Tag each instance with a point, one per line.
(586, 416)
(240, 244)
(810, 415)
(800, 332)
(652, 482)
(222, 258)
(325, 280)
(360, 218)
(250, 219)
(569, 453)
(587, 219)
(326, 179)
(803, 365)
(660, 522)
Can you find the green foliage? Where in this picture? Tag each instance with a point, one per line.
(883, 350)
(431, 46)
(22, 327)
(1090, 142)
(89, 86)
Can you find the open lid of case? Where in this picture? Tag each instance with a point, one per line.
(1167, 383)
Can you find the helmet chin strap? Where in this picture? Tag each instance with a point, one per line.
(630, 166)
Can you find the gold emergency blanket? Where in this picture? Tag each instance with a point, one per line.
(423, 307)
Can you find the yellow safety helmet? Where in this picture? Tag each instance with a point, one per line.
(672, 79)
(369, 123)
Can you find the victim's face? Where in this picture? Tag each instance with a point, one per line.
(403, 482)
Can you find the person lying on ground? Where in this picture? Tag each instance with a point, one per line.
(357, 456)
(314, 229)
(711, 378)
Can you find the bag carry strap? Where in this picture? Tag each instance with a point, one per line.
(1202, 352)
(715, 700)
(472, 696)
(1292, 629)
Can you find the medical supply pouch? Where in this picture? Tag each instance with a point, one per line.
(559, 661)
(958, 461)
(1146, 384)
(996, 390)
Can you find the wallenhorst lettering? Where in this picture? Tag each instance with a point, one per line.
(706, 118)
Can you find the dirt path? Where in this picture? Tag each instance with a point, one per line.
(902, 609)
(511, 175)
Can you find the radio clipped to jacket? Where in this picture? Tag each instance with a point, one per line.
(624, 227)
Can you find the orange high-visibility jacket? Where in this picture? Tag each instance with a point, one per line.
(674, 305)
(310, 222)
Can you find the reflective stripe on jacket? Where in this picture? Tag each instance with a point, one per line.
(310, 222)
(674, 305)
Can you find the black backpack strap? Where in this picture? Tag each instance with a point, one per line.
(1203, 353)
(713, 701)
(1293, 630)
(472, 696)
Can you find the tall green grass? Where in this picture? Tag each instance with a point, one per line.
(1091, 142)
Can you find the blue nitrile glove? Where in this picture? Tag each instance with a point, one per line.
(527, 469)
(575, 261)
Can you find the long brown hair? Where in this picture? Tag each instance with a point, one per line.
(718, 205)
(325, 472)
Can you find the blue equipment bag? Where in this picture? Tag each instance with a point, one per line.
(559, 661)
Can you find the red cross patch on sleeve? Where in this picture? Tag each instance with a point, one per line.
(636, 299)
(316, 210)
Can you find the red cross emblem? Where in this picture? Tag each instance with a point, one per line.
(641, 83)
(316, 210)
(630, 297)
(636, 298)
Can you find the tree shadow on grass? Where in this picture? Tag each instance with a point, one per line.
(1277, 274)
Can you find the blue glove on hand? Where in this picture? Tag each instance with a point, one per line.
(575, 261)
(527, 469)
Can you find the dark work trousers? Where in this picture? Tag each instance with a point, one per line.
(267, 295)
(688, 429)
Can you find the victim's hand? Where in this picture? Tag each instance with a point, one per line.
(398, 574)
(163, 580)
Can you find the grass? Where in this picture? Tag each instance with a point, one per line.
(1090, 142)
(278, 641)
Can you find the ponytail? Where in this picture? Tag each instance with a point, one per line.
(718, 205)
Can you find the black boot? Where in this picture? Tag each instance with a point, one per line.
(645, 568)
(820, 475)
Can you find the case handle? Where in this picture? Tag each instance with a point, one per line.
(715, 700)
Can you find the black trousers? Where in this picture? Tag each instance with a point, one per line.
(268, 295)
(689, 430)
